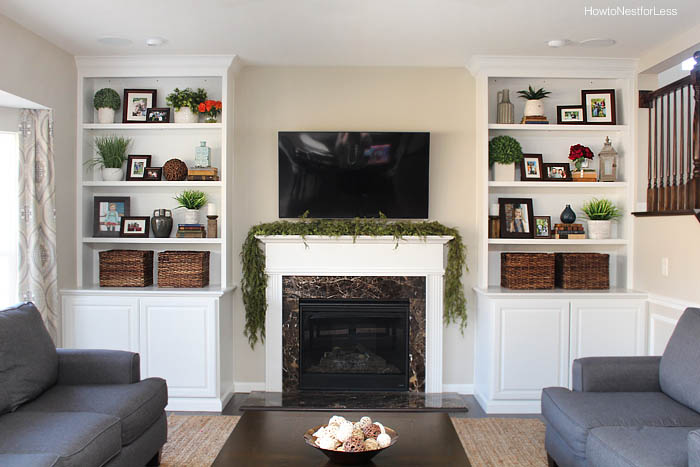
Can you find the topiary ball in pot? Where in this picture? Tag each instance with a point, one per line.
(504, 152)
(106, 101)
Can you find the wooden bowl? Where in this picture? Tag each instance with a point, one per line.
(348, 458)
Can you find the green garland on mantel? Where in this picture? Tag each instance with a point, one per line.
(254, 281)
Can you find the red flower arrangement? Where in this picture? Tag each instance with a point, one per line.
(579, 153)
(211, 109)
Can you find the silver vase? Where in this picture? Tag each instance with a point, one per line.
(505, 109)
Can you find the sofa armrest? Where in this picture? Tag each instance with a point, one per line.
(694, 448)
(616, 374)
(97, 367)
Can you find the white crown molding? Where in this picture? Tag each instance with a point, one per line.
(155, 65)
(552, 67)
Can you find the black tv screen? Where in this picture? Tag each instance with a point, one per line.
(353, 174)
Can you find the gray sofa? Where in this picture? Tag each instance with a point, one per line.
(77, 408)
(630, 411)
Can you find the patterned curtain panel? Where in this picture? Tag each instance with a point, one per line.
(37, 275)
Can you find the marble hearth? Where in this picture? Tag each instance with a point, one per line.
(354, 268)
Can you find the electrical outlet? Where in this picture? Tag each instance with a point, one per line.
(664, 267)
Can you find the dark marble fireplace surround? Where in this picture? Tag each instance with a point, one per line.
(295, 288)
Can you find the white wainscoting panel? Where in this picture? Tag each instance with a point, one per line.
(90, 323)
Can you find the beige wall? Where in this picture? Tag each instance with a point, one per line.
(441, 101)
(34, 69)
(9, 119)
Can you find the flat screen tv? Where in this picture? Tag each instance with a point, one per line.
(334, 174)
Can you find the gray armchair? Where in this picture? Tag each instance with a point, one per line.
(630, 411)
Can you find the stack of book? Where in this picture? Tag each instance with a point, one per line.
(585, 175)
(203, 174)
(569, 231)
(535, 119)
(190, 231)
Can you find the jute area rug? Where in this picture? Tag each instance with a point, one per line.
(195, 441)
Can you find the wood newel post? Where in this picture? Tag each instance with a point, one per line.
(695, 82)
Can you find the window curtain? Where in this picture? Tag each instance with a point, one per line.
(37, 275)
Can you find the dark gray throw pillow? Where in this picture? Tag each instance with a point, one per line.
(28, 360)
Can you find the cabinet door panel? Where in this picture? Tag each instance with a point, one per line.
(179, 342)
(99, 322)
(533, 348)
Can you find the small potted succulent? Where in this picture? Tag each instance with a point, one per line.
(210, 109)
(504, 152)
(186, 104)
(192, 201)
(111, 155)
(600, 214)
(534, 105)
(106, 101)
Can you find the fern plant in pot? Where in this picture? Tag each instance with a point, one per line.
(600, 214)
(504, 152)
(192, 201)
(110, 156)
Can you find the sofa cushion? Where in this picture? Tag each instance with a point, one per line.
(638, 446)
(678, 372)
(28, 460)
(574, 414)
(28, 361)
(78, 439)
(694, 448)
(137, 405)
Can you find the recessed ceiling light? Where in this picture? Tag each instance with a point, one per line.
(556, 43)
(597, 42)
(155, 41)
(114, 41)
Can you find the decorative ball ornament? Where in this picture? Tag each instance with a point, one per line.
(345, 431)
(175, 170)
(365, 421)
(336, 420)
(354, 444)
(327, 443)
(372, 431)
(383, 440)
(371, 444)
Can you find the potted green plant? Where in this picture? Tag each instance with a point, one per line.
(534, 105)
(504, 152)
(111, 155)
(600, 214)
(106, 101)
(192, 201)
(186, 103)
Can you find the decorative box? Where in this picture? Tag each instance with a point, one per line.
(582, 271)
(527, 270)
(126, 268)
(183, 269)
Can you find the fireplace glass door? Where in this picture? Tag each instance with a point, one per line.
(353, 345)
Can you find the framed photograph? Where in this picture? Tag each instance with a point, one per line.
(599, 106)
(158, 115)
(136, 105)
(134, 227)
(516, 218)
(557, 172)
(108, 214)
(531, 167)
(543, 227)
(153, 173)
(136, 167)
(570, 115)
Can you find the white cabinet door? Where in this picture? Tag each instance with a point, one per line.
(179, 342)
(532, 348)
(100, 322)
(607, 328)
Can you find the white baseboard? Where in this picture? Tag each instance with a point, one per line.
(508, 406)
(248, 386)
(195, 404)
(459, 388)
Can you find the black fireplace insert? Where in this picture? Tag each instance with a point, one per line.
(354, 345)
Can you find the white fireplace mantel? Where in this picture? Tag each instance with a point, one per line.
(313, 255)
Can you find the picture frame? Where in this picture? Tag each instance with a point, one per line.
(136, 167)
(516, 218)
(543, 227)
(153, 174)
(108, 211)
(557, 172)
(531, 168)
(599, 106)
(134, 226)
(136, 104)
(570, 115)
(158, 115)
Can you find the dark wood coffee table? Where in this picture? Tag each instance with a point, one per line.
(277, 439)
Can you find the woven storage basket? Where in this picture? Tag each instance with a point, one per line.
(527, 270)
(183, 269)
(126, 268)
(582, 270)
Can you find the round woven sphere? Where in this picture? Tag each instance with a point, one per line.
(371, 444)
(354, 444)
(175, 170)
(372, 431)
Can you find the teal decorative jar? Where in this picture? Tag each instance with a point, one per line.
(202, 155)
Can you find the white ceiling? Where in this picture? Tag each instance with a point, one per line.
(347, 32)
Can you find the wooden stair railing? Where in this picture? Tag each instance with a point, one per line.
(673, 180)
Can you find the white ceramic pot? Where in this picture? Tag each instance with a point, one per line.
(503, 172)
(185, 115)
(105, 115)
(599, 230)
(112, 175)
(192, 216)
(534, 107)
